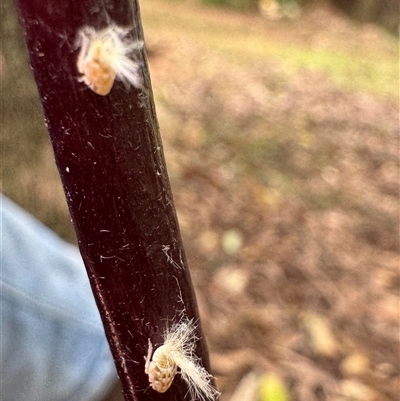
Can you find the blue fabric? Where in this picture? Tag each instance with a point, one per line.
(53, 346)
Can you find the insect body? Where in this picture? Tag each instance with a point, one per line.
(161, 369)
(178, 351)
(105, 56)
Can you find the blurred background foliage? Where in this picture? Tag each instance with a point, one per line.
(383, 12)
(280, 130)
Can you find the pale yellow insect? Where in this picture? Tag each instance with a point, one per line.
(106, 55)
(178, 352)
(161, 370)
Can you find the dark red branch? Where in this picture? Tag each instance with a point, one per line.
(110, 158)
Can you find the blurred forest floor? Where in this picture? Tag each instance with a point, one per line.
(281, 139)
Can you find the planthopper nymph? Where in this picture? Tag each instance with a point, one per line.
(106, 55)
(177, 352)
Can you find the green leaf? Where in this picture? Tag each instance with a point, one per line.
(272, 388)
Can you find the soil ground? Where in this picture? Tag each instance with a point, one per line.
(281, 139)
